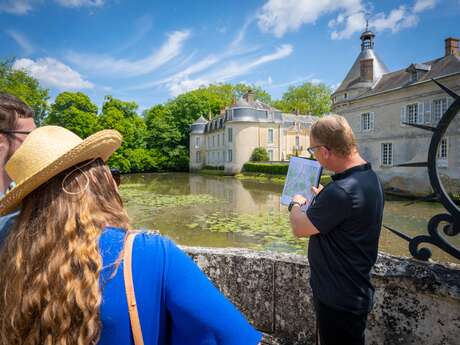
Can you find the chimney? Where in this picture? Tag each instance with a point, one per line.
(366, 69)
(451, 46)
(249, 96)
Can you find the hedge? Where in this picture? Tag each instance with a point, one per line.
(276, 169)
(272, 168)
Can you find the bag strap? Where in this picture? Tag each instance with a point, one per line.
(129, 287)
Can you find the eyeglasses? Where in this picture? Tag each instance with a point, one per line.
(116, 174)
(6, 131)
(312, 149)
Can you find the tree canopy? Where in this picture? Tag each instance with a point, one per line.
(23, 86)
(307, 99)
(158, 139)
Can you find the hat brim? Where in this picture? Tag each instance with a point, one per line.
(99, 145)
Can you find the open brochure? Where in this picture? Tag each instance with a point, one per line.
(302, 174)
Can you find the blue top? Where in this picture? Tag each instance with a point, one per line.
(6, 222)
(177, 303)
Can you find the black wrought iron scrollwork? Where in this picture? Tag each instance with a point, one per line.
(451, 219)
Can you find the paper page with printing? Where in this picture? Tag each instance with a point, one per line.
(302, 175)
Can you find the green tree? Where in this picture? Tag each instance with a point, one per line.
(122, 116)
(259, 154)
(259, 94)
(23, 86)
(309, 99)
(76, 112)
(132, 156)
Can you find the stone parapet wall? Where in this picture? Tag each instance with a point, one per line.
(415, 302)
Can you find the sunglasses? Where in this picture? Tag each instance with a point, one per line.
(116, 174)
(312, 149)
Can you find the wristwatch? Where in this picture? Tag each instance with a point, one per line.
(291, 205)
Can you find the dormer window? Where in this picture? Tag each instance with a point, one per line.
(417, 71)
(345, 95)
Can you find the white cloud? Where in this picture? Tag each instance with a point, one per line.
(22, 41)
(422, 5)
(353, 23)
(396, 20)
(53, 73)
(142, 26)
(128, 68)
(80, 3)
(281, 16)
(230, 71)
(22, 7)
(16, 6)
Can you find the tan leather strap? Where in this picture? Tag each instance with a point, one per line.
(129, 287)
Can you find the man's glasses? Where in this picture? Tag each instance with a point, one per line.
(7, 131)
(116, 174)
(312, 149)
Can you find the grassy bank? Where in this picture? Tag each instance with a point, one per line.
(279, 179)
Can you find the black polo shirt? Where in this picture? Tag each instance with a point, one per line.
(348, 214)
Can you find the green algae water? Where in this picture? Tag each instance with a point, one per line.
(212, 211)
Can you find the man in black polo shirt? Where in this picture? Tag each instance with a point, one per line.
(343, 223)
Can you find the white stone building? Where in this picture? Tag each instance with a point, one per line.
(229, 139)
(377, 102)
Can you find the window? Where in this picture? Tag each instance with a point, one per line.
(218, 139)
(412, 113)
(218, 156)
(230, 155)
(439, 108)
(387, 154)
(297, 141)
(213, 140)
(345, 95)
(270, 155)
(198, 157)
(230, 134)
(197, 142)
(209, 157)
(367, 121)
(270, 136)
(442, 151)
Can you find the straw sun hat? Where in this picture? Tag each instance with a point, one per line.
(48, 151)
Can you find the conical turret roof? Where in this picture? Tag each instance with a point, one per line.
(353, 78)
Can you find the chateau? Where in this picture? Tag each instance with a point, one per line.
(228, 140)
(378, 102)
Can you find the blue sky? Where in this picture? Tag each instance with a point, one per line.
(150, 51)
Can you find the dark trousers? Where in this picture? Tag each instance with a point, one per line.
(337, 327)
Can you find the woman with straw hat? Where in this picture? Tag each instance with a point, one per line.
(71, 272)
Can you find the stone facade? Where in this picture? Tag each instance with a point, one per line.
(415, 302)
(377, 109)
(228, 140)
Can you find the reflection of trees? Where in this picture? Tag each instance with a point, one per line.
(167, 183)
(264, 186)
(241, 196)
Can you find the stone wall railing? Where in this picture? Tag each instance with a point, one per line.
(415, 302)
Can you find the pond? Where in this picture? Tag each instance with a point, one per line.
(211, 211)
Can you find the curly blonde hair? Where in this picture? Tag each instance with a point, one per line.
(50, 261)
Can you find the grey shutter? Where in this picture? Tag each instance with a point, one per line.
(360, 123)
(427, 107)
(372, 121)
(420, 113)
(403, 116)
